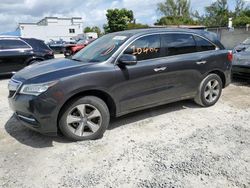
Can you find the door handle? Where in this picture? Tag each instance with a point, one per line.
(201, 62)
(160, 69)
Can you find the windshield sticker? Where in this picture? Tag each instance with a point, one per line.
(138, 51)
(119, 37)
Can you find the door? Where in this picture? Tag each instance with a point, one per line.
(166, 70)
(183, 65)
(13, 55)
(138, 83)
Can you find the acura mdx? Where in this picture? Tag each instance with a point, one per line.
(117, 74)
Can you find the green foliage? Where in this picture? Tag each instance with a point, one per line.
(137, 26)
(175, 12)
(176, 20)
(93, 29)
(175, 8)
(118, 20)
(218, 13)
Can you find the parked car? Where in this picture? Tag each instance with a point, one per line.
(117, 74)
(241, 64)
(16, 53)
(72, 49)
(243, 45)
(58, 46)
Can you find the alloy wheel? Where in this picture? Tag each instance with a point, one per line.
(84, 120)
(212, 91)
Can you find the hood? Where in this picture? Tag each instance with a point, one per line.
(46, 67)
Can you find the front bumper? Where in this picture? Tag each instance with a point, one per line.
(38, 113)
(241, 71)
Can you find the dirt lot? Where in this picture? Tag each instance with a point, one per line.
(175, 145)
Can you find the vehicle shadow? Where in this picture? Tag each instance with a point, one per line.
(151, 112)
(5, 77)
(28, 137)
(36, 140)
(240, 82)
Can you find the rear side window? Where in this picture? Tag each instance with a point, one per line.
(144, 48)
(7, 44)
(176, 44)
(203, 44)
(37, 44)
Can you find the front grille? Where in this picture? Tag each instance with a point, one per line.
(13, 87)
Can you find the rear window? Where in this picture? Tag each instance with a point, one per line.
(203, 44)
(8, 44)
(176, 44)
(37, 44)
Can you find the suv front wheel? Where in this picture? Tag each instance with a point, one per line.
(86, 118)
(209, 90)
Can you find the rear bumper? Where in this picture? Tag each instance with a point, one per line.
(241, 72)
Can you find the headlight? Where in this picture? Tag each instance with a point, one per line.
(36, 89)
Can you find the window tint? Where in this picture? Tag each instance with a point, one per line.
(144, 48)
(6, 44)
(203, 45)
(175, 44)
(37, 44)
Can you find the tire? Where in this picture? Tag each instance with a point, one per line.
(209, 91)
(68, 53)
(85, 118)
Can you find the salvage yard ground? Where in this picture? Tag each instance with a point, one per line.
(175, 145)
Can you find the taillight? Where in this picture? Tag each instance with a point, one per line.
(230, 56)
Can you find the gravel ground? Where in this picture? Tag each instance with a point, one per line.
(175, 145)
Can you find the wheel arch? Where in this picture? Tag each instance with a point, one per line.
(109, 101)
(28, 61)
(221, 75)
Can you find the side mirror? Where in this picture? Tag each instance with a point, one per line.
(127, 60)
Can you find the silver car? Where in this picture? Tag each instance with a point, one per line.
(241, 63)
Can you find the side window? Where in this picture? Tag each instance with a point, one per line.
(144, 48)
(13, 44)
(176, 44)
(203, 45)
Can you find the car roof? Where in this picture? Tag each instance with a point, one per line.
(209, 35)
(17, 37)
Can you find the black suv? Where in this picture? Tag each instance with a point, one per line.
(117, 74)
(16, 53)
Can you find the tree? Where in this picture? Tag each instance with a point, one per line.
(239, 7)
(217, 13)
(175, 8)
(175, 12)
(93, 29)
(118, 20)
(137, 26)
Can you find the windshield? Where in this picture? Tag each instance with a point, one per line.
(247, 41)
(101, 49)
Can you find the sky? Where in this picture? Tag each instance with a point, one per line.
(92, 11)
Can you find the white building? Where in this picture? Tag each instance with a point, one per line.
(52, 28)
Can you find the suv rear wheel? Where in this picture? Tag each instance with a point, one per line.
(86, 118)
(209, 91)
